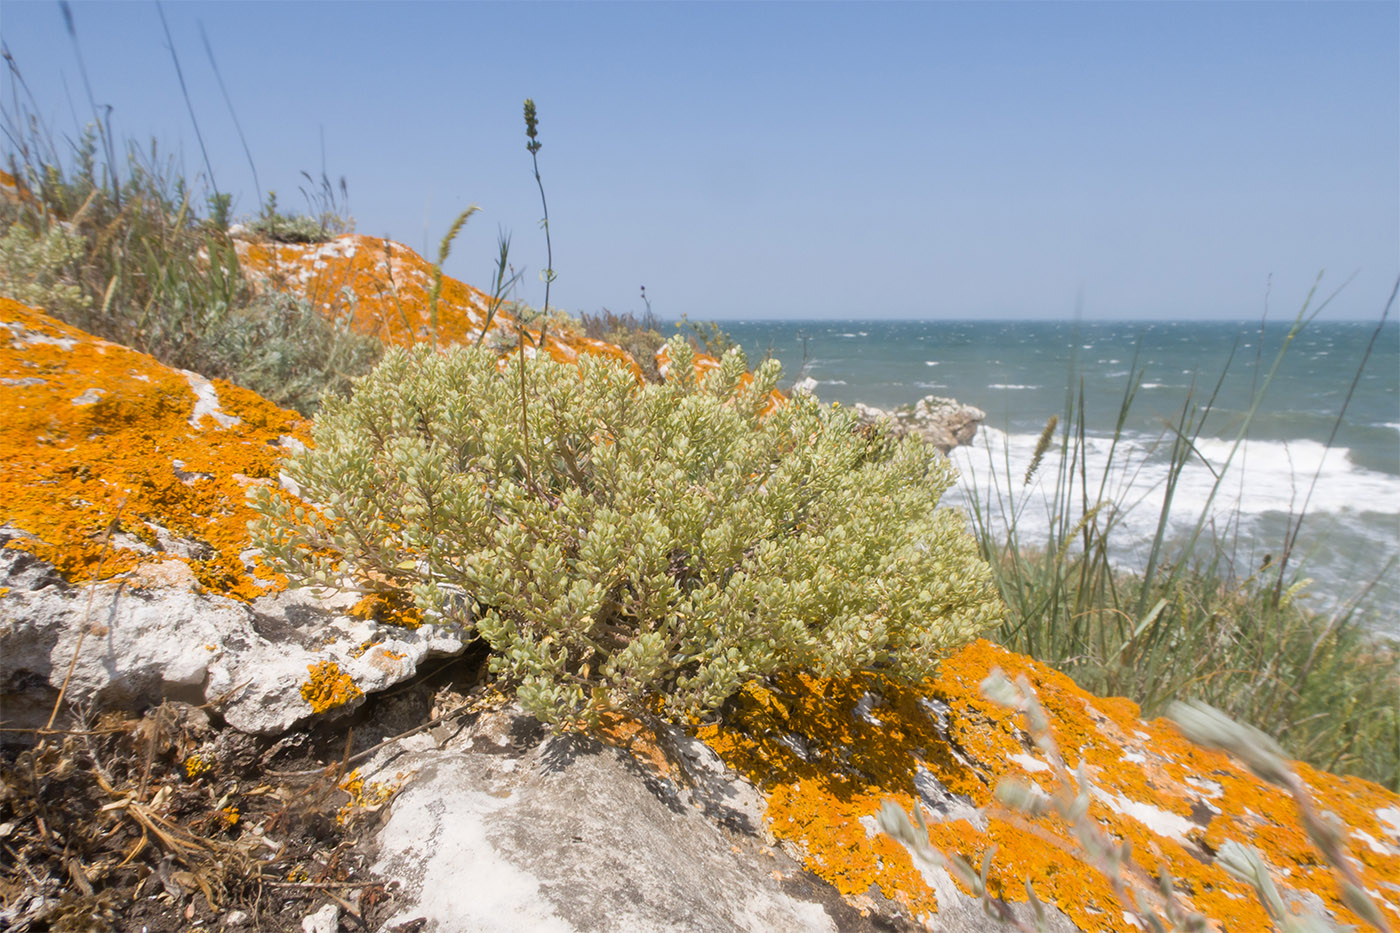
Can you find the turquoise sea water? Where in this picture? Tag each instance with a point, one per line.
(1018, 372)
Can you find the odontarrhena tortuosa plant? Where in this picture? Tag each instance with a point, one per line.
(649, 548)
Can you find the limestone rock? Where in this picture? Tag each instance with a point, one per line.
(829, 753)
(119, 468)
(112, 460)
(265, 665)
(507, 827)
(325, 920)
(943, 422)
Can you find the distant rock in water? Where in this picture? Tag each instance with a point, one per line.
(943, 422)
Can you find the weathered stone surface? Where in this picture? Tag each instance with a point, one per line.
(943, 422)
(509, 828)
(265, 665)
(115, 467)
(828, 753)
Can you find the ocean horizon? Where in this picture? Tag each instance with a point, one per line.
(1301, 455)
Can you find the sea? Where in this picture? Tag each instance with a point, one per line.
(1323, 443)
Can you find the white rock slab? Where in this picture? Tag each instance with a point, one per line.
(136, 646)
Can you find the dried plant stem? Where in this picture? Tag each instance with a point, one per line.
(87, 613)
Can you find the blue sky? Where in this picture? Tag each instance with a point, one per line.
(939, 160)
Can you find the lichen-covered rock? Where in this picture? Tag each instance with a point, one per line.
(265, 665)
(387, 286)
(504, 827)
(828, 753)
(115, 468)
(943, 422)
(110, 461)
(129, 477)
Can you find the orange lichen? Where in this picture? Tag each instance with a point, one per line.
(329, 687)
(195, 766)
(388, 608)
(365, 796)
(640, 741)
(95, 433)
(390, 284)
(827, 753)
(15, 191)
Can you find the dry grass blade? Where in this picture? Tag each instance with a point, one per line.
(87, 613)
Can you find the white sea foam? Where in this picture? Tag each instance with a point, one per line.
(931, 362)
(1009, 385)
(1262, 479)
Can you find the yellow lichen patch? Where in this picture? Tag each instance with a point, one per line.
(640, 741)
(391, 284)
(96, 434)
(388, 608)
(365, 796)
(827, 753)
(195, 766)
(329, 687)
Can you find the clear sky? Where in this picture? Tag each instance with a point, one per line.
(936, 160)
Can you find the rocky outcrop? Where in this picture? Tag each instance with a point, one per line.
(943, 422)
(110, 461)
(118, 469)
(828, 753)
(383, 288)
(125, 555)
(504, 827)
(498, 825)
(129, 643)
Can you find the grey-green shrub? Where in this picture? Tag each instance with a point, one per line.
(37, 269)
(666, 544)
(272, 342)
